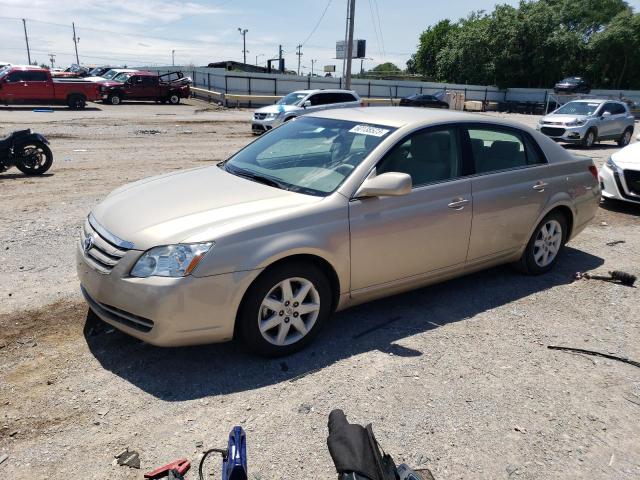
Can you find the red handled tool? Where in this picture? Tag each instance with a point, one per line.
(174, 470)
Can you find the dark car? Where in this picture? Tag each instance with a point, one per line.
(420, 100)
(169, 87)
(572, 85)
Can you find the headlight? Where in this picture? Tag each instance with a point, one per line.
(611, 164)
(171, 260)
(272, 115)
(576, 123)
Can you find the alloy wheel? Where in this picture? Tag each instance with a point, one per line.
(626, 139)
(33, 157)
(289, 311)
(547, 243)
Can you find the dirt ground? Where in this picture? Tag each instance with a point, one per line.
(456, 377)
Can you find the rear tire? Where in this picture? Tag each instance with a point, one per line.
(590, 138)
(35, 159)
(284, 309)
(625, 139)
(545, 246)
(76, 102)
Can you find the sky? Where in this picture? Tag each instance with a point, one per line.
(145, 32)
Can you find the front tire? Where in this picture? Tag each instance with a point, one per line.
(545, 246)
(174, 98)
(35, 158)
(590, 138)
(625, 139)
(284, 309)
(115, 99)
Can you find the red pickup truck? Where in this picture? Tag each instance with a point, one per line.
(169, 87)
(35, 85)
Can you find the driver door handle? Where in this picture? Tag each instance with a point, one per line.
(540, 186)
(458, 203)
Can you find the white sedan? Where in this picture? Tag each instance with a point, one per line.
(620, 176)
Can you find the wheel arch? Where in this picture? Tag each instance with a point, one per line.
(565, 209)
(309, 258)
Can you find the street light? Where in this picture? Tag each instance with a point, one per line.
(173, 58)
(258, 56)
(361, 63)
(244, 42)
(312, 64)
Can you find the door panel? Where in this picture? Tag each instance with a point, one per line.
(393, 238)
(511, 188)
(505, 207)
(398, 237)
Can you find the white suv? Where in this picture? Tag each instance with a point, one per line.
(301, 102)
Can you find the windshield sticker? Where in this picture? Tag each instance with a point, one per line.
(369, 130)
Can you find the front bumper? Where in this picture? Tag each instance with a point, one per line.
(615, 186)
(259, 126)
(563, 133)
(164, 311)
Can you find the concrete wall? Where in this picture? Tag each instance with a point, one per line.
(243, 83)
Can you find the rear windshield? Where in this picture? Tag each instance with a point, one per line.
(578, 108)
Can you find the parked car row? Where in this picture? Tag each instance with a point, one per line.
(30, 84)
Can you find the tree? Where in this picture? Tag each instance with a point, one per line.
(432, 40)
(386, 68)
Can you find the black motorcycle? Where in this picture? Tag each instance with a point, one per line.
(27, 151)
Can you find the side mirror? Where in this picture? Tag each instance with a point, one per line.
(606, 114)
(391, 184)
(306, 104)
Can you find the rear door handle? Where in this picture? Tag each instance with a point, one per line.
(458, 203)
(540, 186)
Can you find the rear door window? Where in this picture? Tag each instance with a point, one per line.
(496, 149)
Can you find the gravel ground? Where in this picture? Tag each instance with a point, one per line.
(455, 377)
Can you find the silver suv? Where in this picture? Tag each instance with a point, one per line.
(588, 121)
(300, 102)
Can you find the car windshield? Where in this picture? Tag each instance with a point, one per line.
(110, 74)
(307, 155)
(4, 71)
(292, 98)
(571, 80)
(97, 71)
(122, 77)
(578, 108)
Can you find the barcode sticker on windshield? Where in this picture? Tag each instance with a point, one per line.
(369, 130)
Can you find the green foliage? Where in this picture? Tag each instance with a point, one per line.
(535, 45)
(387, 67)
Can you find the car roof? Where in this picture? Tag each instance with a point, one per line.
(325, 90)
(593, 100)
(402, 116)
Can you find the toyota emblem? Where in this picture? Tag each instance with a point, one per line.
(87, 243)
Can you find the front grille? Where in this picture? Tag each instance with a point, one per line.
(259, 116)
(553, 132)
(100, 252)
(632, 179)
(115, 314)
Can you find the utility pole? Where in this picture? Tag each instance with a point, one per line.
(52, 59)
(352, 9)
(299, 47)
(312, 63)
(244, 42)
(26, 39)
(173, 58)
(75, 42)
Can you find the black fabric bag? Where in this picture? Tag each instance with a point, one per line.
(354, 448)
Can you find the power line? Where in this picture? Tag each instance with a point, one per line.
(317, 24)
(375, 28)
(384, 53)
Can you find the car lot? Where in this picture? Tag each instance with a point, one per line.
(455, 377)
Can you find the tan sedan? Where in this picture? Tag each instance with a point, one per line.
(325, 212)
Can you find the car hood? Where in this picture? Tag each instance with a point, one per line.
(628, 157)
(190, 206)
(278, 109)
(557, 117)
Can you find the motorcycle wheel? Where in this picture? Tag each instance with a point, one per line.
(35, 158)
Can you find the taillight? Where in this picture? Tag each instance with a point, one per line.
(594, 171)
